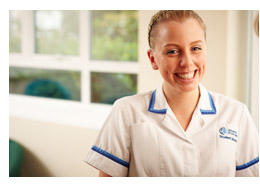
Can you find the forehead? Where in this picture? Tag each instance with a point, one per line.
(183, 32)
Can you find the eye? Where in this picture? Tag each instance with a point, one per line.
(196, 48)
(173, 52)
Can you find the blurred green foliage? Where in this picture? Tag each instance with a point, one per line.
(62, 38)
(114, 35)
(107, 87)
(14, 32)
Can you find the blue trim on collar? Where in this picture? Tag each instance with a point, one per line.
(213, 108)
(151, 105)
(110, 156)
(244, 166)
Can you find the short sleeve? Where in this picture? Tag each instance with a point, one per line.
(247, 156)
(110, 152)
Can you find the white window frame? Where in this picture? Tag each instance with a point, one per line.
(80, 113)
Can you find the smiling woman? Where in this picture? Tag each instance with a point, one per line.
(177, 129)
(180, 56)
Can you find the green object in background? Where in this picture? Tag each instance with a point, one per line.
(15, 158)
(47, 88)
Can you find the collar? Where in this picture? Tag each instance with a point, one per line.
(206, 103)
(158, 103)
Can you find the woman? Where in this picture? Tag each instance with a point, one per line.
(179, 129)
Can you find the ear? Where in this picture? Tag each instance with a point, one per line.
(152, 60)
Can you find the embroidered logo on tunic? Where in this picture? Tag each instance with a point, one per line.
(223, 130)
(228, 134)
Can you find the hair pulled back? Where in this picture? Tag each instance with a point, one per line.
(174, 15)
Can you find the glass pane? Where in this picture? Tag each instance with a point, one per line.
(57, 32)
(14, 32)
(114, 35)
(107, 87)
(45, 83)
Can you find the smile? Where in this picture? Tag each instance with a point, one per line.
(187, 75)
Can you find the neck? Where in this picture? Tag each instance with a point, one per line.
(181, 101)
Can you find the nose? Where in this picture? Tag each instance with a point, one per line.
(186, 59)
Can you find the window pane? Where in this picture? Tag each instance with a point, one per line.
(45, 83)
(57, 32)
(114, 35)
(107, 87)
(14, 32)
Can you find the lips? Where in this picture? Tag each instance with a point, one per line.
(186, 75)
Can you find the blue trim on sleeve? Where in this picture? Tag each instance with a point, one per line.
(110, 156)
(244, 166)
(213, 108)
(151, 105)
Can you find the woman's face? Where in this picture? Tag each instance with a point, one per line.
(179, 52)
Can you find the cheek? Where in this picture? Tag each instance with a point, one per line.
(165, 70)
(171, 64)
(166, 65)
(202, 61)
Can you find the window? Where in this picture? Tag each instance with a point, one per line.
(14, 32)
(57, 84)
(84, 56)
(114, 35)
(57, 32)
(107, 87)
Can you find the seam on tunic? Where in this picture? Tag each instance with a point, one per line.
(246, 165)
(110, 156)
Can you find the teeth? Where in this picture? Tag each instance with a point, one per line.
(189, 75)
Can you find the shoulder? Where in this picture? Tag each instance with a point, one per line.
(225, 100)
(132, 108)
(227, 104)
(140, 100)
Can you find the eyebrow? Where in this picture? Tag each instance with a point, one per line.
(198, 41)
(173, 44)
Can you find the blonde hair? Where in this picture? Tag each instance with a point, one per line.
(174, 15)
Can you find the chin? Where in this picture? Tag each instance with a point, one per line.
(188, 88)
(181, 88)
(185, 86)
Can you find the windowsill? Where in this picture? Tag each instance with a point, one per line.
(58, 111)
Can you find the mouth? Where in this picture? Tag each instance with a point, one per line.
(187, 75)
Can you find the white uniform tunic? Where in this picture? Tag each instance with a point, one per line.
(142, 137)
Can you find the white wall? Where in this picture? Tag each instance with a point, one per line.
(148, 79)
(53, 149)
(254, 102)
